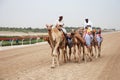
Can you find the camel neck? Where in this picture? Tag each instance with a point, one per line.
(51, 38)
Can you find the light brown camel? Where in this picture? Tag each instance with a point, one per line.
(46, 38)
(57, 41)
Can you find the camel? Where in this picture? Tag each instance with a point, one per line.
(78, 42)
(57, 41)
(86, 49)
(46, 38)
(96, 43)
(76, 48)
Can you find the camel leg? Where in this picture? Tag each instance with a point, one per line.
(57, 61)
(85, 54)
(69, 54)
(66, 54)
(79, 52)
(55, 55)
(96, 51)
(92, 51)
(89, 54)
(53, 62)
(63, 56)
(99, 50)
(58, 53)
(74, 52)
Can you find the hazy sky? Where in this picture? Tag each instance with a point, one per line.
(37, 13)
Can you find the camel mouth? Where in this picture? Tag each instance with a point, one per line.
(49, 29)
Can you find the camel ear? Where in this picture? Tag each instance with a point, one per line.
(51, 25)
(46, 25)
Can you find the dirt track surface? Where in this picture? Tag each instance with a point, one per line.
(33, 63)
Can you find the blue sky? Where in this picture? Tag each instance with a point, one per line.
(37, 13)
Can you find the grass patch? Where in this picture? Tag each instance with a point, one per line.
(18, 42)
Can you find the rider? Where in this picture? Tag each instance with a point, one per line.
(88, 25)
(60, 24)
(99, 32)
(98, 36)
(87, 32)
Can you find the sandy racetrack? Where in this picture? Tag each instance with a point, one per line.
(33, 63)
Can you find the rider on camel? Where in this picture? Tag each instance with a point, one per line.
(60, 25)
(87, 32)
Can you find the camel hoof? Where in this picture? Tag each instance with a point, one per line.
(92, 55)
(90, 59)
(65, 61)
(99, 55)
(83, 59)
(53, 66)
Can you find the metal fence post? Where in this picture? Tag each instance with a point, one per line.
(1, 43)
(22, 41)
(12, 42)
(30, 41)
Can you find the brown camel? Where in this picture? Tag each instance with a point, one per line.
(96, 44)
(78, 42)
(86, 49)
(57, 41)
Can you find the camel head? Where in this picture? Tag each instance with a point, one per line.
(49, 27)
